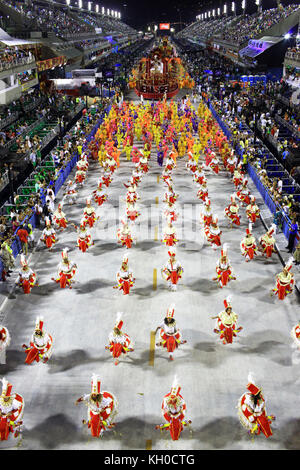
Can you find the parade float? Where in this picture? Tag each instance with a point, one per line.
(161, 74)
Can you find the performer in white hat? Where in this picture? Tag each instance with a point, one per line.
(66, 270)
(170, 336)
(252, 210)
(102, 408)
(124, 234)
(226, 323)
(4, 338)
(84, 238)
(173, 410)
(59, 218)
(99, 197)
(119, 342)
(11, 411)
(223, 268)
(41, 344)
(267, 242)
(89, 213)
(27, 277)
(48, 235)
(248, 244)
(252, 410)
(125, 277)
(284, 281)
(71, 192)
(232, 212)
(172, 270)
(213, 233)
(169, 235)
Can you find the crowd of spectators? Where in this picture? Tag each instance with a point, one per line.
(238, 29)
(10, 56)
(13, 225)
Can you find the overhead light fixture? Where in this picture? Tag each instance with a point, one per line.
(225, 8)
(97, 8)
(232, 6)
(103, 10)
(89, 6)
(287, 36)
(80, 3)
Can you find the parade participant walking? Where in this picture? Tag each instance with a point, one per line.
(84, 238)
(66, 271)
(248, 244)
(27, 277)
(252, 411)
(99, 197)
(284, 281)
(89, 214)
(170, 336)
(119, 342)
(226, 321)
(102, 408)
(11, 411)
(4, 338)
(223, 268)
(71, 192)
(48, 235)
(124, 235)
(172, 271)
(169, 235)
(267, 242)
(173, 411)
(125, 277)
(59, 218)
(232, 212)
(252, 210)
(41, 344)
(213, 233)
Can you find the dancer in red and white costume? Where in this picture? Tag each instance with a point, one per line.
(173, 410)
(213, 233)
(48, 235)
(66, 271)
(170, 336)
(41, 344)
(107, 178)
(119, 342)
(231, 163)
(143, 164)
(84, 238)
(82, 163)
(124, 235)
(131, 195)
(214, 165)
(232, 212)
(170, 196)
(170, 212)
(99, 197)
(125, 277)
(132, 211)
(11, 411)
(102, 408)
(110, 164)
(89, 214)
(202, 194)
(267, 242)
(206, 215)
(226, 321)
(27, 277)
(224, 270)
(59, 218)
(252, 411)
(170, 165)
(80, 177)
(199, 175)
(172, 271)
(243, 194)
(284, 281)
(169, 236)
(71, 192)
(248, 244)
(191, 164)
(238, 176)
(295, 334)
(252, 210)
(4, 338)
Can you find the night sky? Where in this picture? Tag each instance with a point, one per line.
(140, 13)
